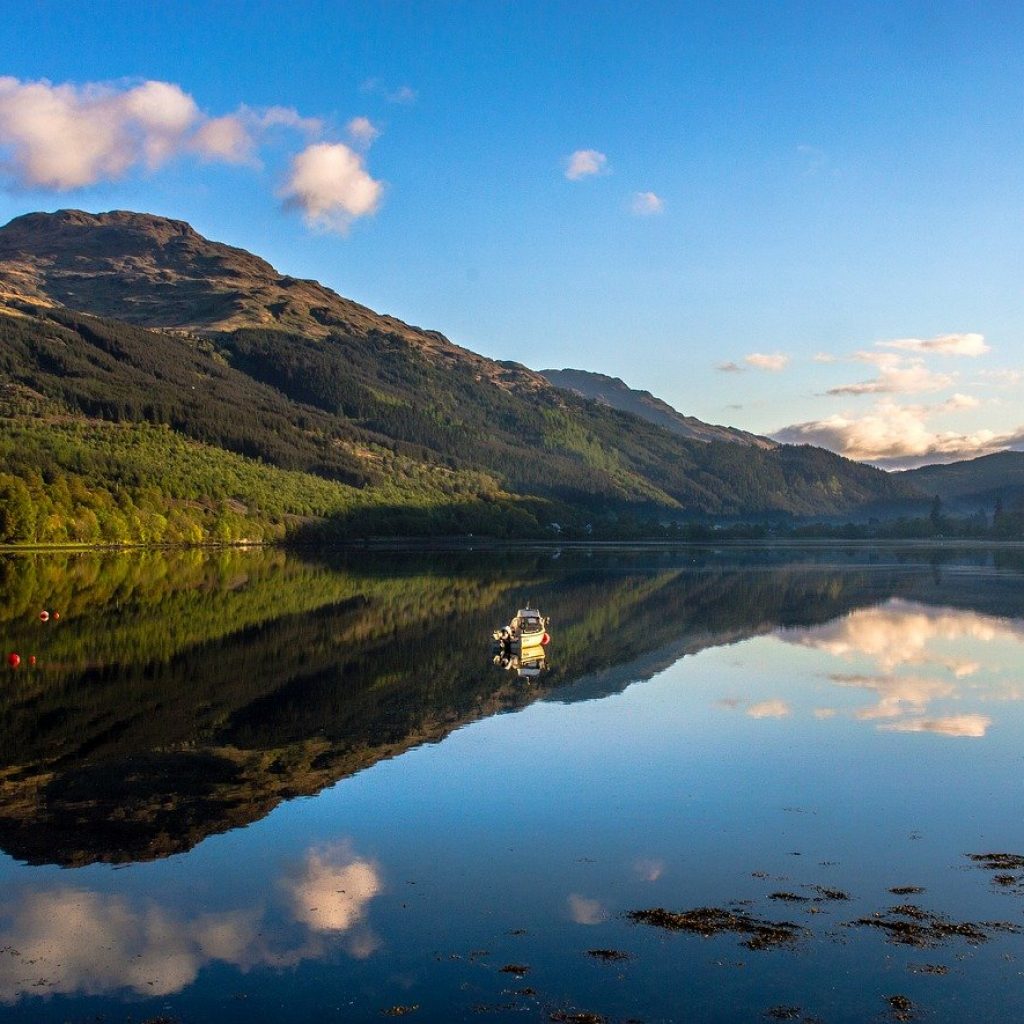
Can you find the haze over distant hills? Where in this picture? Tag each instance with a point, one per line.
(205, 356)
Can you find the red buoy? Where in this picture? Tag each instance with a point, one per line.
(14, 660)
(44, 616)
(545, 639)
(56, 616)
(31, 659)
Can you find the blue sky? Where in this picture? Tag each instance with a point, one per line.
(793, 217)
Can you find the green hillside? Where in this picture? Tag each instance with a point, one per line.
(384, 428)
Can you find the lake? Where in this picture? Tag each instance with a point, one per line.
(250, 785)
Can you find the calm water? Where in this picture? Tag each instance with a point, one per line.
(245, 786)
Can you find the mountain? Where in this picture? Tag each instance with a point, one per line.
(157, 272)
(614, 392)
(975, 483)
(124, 336)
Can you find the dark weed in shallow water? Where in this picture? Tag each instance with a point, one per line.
(928, 968)
(906, 890)
(790, 1013)
(908, 925)
(576, 1017)
(789, 897)
(831, 894)
(900, 1007)
(609, 955)
(400, 1011)
(708, 921)
(999, 861)
(1004, 863)
(518, 969)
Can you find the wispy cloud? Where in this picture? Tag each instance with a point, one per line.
(769, 709)
(585, 163)
(402, 94)
(362, 132)
(969, 344)
(896, 376)
(971, 726)
(815, 159)
(329, 183)
(644, 204)
(729, 367)
(586, 911)
(773, 361)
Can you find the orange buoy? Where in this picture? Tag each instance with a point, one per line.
(56, 616)
(44, 616)
(31, 659)
(14, 660)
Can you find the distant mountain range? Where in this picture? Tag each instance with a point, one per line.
(178, 388)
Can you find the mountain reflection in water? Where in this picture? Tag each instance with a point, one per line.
(183, 694)
(823, 750)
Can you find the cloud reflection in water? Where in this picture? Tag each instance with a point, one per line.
(72, 940)
(918, 656)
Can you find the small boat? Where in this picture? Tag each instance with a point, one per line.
(528, 629)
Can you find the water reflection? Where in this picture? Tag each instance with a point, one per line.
(185, 694)
(921, 664)
(67, 939)
(182, 696)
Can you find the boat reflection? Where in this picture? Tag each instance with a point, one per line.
(520, 646)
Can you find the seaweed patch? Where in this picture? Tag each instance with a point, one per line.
(709, 921)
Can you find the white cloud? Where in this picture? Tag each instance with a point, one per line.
(584, 163)
(972, 726)
(362, 131)
(64, 137)
(957, 402)
(969, 344)
(898, 436)
(773, 361)
(644, 204)
(769, 709)
(330, 184)
(226, 139)
(896, 376)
